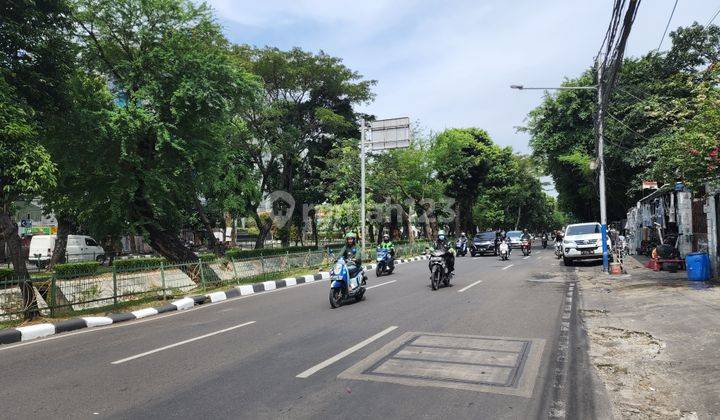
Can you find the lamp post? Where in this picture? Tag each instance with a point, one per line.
(600, 158)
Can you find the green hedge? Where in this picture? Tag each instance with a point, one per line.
(132, 264)
(235, 253)
(6, 273)
(208, 257)
(76, 269)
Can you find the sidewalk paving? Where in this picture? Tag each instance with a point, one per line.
(654, 340)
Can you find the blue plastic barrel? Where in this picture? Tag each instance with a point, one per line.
(698, 266)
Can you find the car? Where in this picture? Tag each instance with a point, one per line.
(583, 241)
(483, 243)
(515, 238)
(79, 248)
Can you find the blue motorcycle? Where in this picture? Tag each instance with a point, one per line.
(385, 262)
(342, 287)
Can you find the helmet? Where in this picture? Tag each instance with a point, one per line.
(441, 235)
(462, 234)
(350, 238)
(386, 237)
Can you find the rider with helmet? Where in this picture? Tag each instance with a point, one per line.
(387, 244)
(352, 256)
(441, 244)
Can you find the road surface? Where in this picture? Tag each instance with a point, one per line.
(493, 345)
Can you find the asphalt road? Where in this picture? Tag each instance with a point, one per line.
(486, 347)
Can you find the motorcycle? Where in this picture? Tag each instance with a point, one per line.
(525, 247)
(504, 251)
(544, 241)
(384, 262)
(342, 287)
(558, 249)
(461, 247)
(438, 270)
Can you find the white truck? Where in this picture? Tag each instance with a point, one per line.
(79, 248)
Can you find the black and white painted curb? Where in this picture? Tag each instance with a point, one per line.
(30, 332)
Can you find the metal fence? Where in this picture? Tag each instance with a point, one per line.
(109, 288)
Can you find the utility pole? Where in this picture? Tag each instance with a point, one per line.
(362, 186)
(601, 163)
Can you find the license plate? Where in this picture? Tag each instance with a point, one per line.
(587, 252)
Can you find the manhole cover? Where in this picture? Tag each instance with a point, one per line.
(475, 363)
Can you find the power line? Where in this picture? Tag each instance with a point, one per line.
(668, 25)
(713, 18)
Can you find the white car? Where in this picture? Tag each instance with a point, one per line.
(583, 241)
(79, 248)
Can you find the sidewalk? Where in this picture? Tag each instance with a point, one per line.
(654, 340)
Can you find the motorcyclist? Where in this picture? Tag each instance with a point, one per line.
(498, 239)
(352, 256)
(441, 244)
(463, 239)
(526, 236)
(387, 244)
(558, 235)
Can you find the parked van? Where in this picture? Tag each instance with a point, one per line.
(79, 248)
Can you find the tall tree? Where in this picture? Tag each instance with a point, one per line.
(307, 107)
(35, 50)
(176, 91)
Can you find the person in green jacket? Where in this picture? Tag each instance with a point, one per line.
(387, 244)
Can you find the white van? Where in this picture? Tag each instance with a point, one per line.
(79, 248)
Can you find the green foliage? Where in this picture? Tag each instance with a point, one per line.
(78, 269)
(237, 254)
(6, 273)
(208, 257)
(134, 264)
(25, 166)
(659, 125)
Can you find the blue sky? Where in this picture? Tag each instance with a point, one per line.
(450, 63)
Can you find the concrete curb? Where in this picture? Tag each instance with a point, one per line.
(30, 332)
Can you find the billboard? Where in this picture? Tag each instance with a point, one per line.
(388, 134)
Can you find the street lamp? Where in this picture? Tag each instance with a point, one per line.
(521, 87)
(601, 157)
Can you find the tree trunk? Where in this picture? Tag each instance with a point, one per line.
(208, 225)
(65, 225)
(263, 230)
(408, 228)
(517, 222)
(316, 237)
(287, 178)
(458, 218)
(9, 233)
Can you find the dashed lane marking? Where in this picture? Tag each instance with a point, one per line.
(470, 285)
(381, 284)
(353, 349)
(180, 343)
(506, 267)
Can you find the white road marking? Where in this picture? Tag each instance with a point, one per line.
(525, 258)
(345, 353)
(470, 285)
(180, 311)
(381, 284)
(506, 267)
(180, 343)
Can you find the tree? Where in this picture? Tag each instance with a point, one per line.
(307, 107)
(654, 97)
(25, 171)
(176, 90)
(463, 159)
(34, 52)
